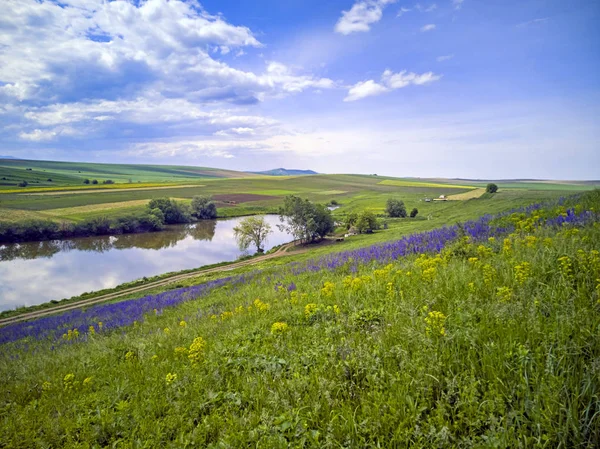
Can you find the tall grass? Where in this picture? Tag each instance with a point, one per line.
(490, 340)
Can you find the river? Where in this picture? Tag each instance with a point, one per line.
(37, 272)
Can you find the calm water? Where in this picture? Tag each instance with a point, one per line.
(37, 272)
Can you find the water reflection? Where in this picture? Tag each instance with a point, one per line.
(36, 272)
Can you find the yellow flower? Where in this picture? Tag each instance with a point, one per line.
(154, 358)
(130, 356)
(328, 289)
(180, 350)
(504, 293)
(68, 381)
(489, 273)
(46, 386)
(261, 306)
(279, 328)
(472, 286)
(182, 323)
(92, 330)
(100, 324)
(522, 272)
(310, 310)
(197, 350)
(435, 322)
(429, 274)
(226, 315)
(170, 378)
(166, 330)
(87, 381)
(336, 309)
(473, 260)
(507, 246)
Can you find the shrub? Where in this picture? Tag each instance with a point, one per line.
(395, 208)
(23, 184)
(414, 212)
(204, 208)
(95, 181)
(173, 211)
(108, 181)
(491, 188)
(86, 181)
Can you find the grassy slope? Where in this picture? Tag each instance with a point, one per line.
(436, 353)
(73, 173)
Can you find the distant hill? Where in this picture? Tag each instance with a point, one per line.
(7, 157)
(285, 172)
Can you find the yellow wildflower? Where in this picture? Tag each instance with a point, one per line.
(154, 358)
(226, 315)
(504, 293)
(166, 330)
(46, 386)
(196, 352)
(170, 378)
(130, 356)
(68, 381)
(489, 273)
(261, 306)
(182, 323)
(87, 381)
(328, 289)
(435, 322)
(179, 350)
(310, 310)
(100, 324)
(279, 328)
(522, 272)
(336, 309)
(473, 260)
(91, 330)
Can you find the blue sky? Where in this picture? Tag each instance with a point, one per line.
(448, 88)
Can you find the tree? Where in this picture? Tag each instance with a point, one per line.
(23, 184)
(304, 220)
(173, 211)
(367, 222)
(108, 181)
(204, 208)
(86, 181)
(351, 220)
(414, 212)
(491, 188)
(395, 208)
(95, 181)
(252, 230)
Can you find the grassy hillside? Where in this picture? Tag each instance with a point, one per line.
(480, 335)
(37, 173)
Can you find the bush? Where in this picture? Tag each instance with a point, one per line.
(49, 179)
(366, 222)
(395, 208)
(414, 212)
(204, 208)
(108, 181)
(95, 181)
(23, 184)
(173, 211)
(333, 203)
(86, 181)
(491, 188)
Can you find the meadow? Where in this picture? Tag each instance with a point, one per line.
(479, 334)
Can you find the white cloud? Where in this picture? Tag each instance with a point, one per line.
(40, 135)
(444, 58)
(403, 11)
(365, 89)
(428, 27)
(235, 131)
(389, 81)
(457, 3)
(360, 17)
(422, 8)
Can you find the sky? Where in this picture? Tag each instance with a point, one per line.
(484, 89)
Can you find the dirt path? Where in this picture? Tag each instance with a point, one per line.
(109, 296)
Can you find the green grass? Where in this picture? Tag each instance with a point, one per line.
(429, 351)
(73, 173)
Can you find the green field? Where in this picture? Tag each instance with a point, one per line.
(491, 343)
(66, 198)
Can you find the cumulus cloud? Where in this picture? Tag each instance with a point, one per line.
(93, 65)
(389, 81)
(428, 27)
(360, 17)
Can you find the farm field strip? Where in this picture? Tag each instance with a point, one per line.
(476, 193)
(402, 183)
(107, 190)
